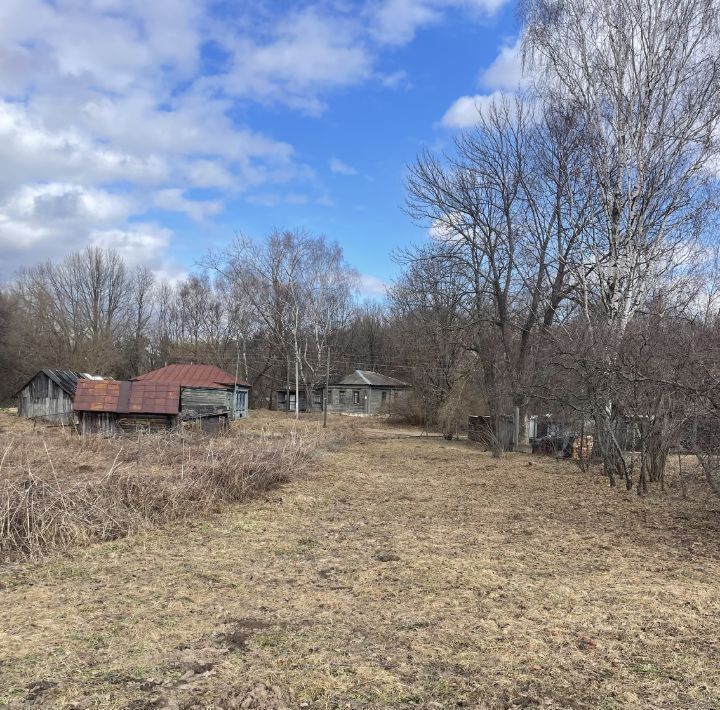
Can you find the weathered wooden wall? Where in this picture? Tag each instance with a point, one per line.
(112, 423)
(44, 399)
(347, 406)
(97, 423)
(371, 399)
(200, 401)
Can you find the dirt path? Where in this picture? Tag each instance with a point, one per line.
(407, 572)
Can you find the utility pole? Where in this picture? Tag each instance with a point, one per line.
(237, 367)
(327, 385)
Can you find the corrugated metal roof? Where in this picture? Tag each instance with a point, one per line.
(367, 377)
(192, 376)
(127, 397)
(97, 396)
(65, 379)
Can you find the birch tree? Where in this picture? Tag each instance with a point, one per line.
(642, 79)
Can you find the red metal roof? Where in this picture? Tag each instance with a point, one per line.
(127, 397)
(97, 395)
(192, 376)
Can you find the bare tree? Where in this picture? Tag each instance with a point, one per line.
(299, 288)
(79, 308)
(642, 81)
(505, 213)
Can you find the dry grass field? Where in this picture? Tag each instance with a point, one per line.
(402, 572)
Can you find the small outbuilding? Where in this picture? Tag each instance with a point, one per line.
(48, 396)
(286, 400)
(112, 406)
(205, 390)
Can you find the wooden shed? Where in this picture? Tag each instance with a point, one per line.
(48, 396)
(111, 406)
(206, 391)
(285, 400)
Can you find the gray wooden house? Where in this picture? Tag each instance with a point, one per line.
(206, 391)
(48, 396)
(362, 392)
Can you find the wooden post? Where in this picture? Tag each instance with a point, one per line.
(327, 386)
(516, 428)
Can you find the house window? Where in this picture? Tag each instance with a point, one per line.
(384, 396)
(342, 396)
(356, 396)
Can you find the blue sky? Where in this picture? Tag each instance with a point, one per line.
(162, 128)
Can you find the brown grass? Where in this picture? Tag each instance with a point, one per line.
(59, 490)
(406, 572)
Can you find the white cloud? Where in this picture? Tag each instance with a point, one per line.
(325, 201)
(29, 151)
(464, 112)
(396, 79)
(174, 200)
(66, 203)
(307, 54)
(395, 22)
(338, 167)
(139, 244)
(273, 199)
(501, 80)
(506, 71)
(45, 221)
(112, 108)
(372, 286)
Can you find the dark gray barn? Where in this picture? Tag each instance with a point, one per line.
(49, 396)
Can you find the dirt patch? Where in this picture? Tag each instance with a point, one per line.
(387, 557)
(259, 696)
(255, 696)
(239, 631)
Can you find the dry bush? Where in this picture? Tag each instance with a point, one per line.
(50, 501)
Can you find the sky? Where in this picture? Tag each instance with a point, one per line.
(161, 128)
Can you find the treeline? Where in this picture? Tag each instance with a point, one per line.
(254, 308)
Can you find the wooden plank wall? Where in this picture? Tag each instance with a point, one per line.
(43, 399)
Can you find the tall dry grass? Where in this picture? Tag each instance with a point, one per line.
(63, 491)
